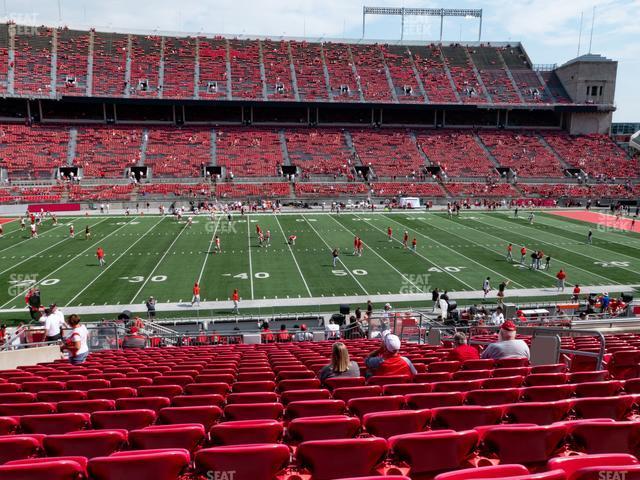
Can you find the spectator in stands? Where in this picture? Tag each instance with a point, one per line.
(76, 343)
(303, 335)
(507, 346)
(341, 365)
(151, 308)
(461, 350)
(134, 339)
(332, 330)
(53, 320)
(283, 334)
(267, 335)
(497, 317)
(386, 360)
(576, 293)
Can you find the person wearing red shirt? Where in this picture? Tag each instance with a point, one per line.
(461, 351)
(283, 334)
(523, 255)
(561, 276)
(390, 234)
(266, 334)
(387, 361)
(235, 297)
(196, 294)
(405, 239)
(576, 293)
(100, 255)
(509, 253)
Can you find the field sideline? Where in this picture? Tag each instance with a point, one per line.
(153, 255)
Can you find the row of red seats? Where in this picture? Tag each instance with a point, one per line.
(387, 189)
(481, 190)
(578, 191)
(100, 192)
(391, 153)
(330, 189)
(249, 153)
(244, 190)
(339, 62)
(277, 70)
(107, 152)
(109, 64)
(457, 153)
(370, 66)
(319, 152)
(212, 63)
(310, 77)
(245, 70)
(179, 56)
(145, 66)
(403, 77)
(72, 59)
(178, 153)
(32, 61)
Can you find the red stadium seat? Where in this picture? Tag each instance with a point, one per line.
(362, 406)
(156, 464)
(206, 415)
(329, 459)
(123, 419)
(605, 437)
(147, 403)
(252, 397)
(182, 436)
(88, 444)
(505, 443)
(493, 396)
(86, 406)
(617, 408)
(17, 447)
(8, 425)
(111, 393)
(219, 388)
(348, 393)
(494, 471)
(298, 395)
(52, 469)
(254, 411)
(574, 464)
(434, 400)
(314, 408)
(465, 417)
(599, 388)
(539, 413)
(35, 408)
(341, 382)
(54, 423)
(61, 395)
(196, 400)
(246, 432)
(325, 427)
(266, 460)
(547, 393)
(388, 424)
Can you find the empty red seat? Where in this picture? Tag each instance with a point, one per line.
(364, 405)
(8, 425)
(254, 411)
(494, 396)
(549, 368)
(147, 403)
(340, 382)
(123, 419)
(228, 378)
(206, 415)
(133, 382)
(605, 437)
(53, 423)
(86, 406)
(444, 367)
(330, 459)
(348, 393)
(625, 364)
(298, 384)
(111, 393)
(34, 408)
(547, 393)
(595, 376)
(309, 394)
(208, 388)
(295, 374)
(539, 413)
(434, 400)
(16, 447)
(617, 408)
(86, 385)
(406, 388)
(494, 471)
(246, 432)
(599, 388)
(155, 464)
(586, 467)
(388, 379)
(539, 379)
(478, 364)
(35, 387)
(61, 395)
(90, 443)
(187, 436)
(254, 386)
(248, 462)
(388, 424)
(168, 391)
(506, 443)
(432, 377)
(428, 453)
(314, 408)
(515, 381)
(196, 400)
(325, 427)
(471, 375)
(511, 372)
(457, 386)
(255, 376)
(465, 417)
(511, 362)
(252, 397)
(52, 469)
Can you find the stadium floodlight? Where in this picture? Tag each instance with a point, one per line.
(634, 142)
(402, 12)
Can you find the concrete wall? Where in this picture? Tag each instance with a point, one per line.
(577, 75)
(586, 123)
(28, 356)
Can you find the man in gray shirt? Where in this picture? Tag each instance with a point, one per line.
(507, 346)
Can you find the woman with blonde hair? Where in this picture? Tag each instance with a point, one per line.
(341, 365)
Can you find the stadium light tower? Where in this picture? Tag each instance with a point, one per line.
(402, 12)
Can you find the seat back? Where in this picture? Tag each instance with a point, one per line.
(123, 419)
(314, 408)
(605, 437)
(54, 423)
(186, 436)
(246, 432)
(389, 424)
(327, 427)
(205, 415)
(259, 462)
(89, 444)
(159, 465)
(52, 469)
(505, 443)
(465, 417)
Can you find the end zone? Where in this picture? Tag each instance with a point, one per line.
(601, 219)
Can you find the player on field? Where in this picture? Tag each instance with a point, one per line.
(390, 234)
(229, 217)
(515, 213)
(261, 239)
(590, 238)
(1, 230)
(547, 263)
(196, 294)
(54, 219)
(486, 287)
(100, 255)
(72, 231)
(87, 232)
(292, 239)
(267, 238)
(561, 277)
(217, 242)
(405, 239)
(360, 246)
(335, 254)
(189, 221)
(523, 254)
(127, 212)
(356, 245)
(532, 216)
(510, 252)
(235, 297)
(449, 211)
(502, 287)
(34, 231)
(22, 226)
(414, 245)
(258, 230)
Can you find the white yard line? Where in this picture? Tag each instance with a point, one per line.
(158, 264)
(422, 256)
(539, 240)
(404, 277)
(250, 260)
(69, 261)
(111, 264)
(339, 259)
(208, 252)
(293, 256)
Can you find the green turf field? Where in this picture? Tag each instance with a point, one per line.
(153, 255)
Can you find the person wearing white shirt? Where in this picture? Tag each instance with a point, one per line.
(497, 318)
(53, 320)
(332, 331)
(77, 342)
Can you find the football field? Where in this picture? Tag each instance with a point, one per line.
(150, 255)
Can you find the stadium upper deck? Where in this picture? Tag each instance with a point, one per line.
(44, 62)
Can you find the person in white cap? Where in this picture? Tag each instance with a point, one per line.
(386, 360)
